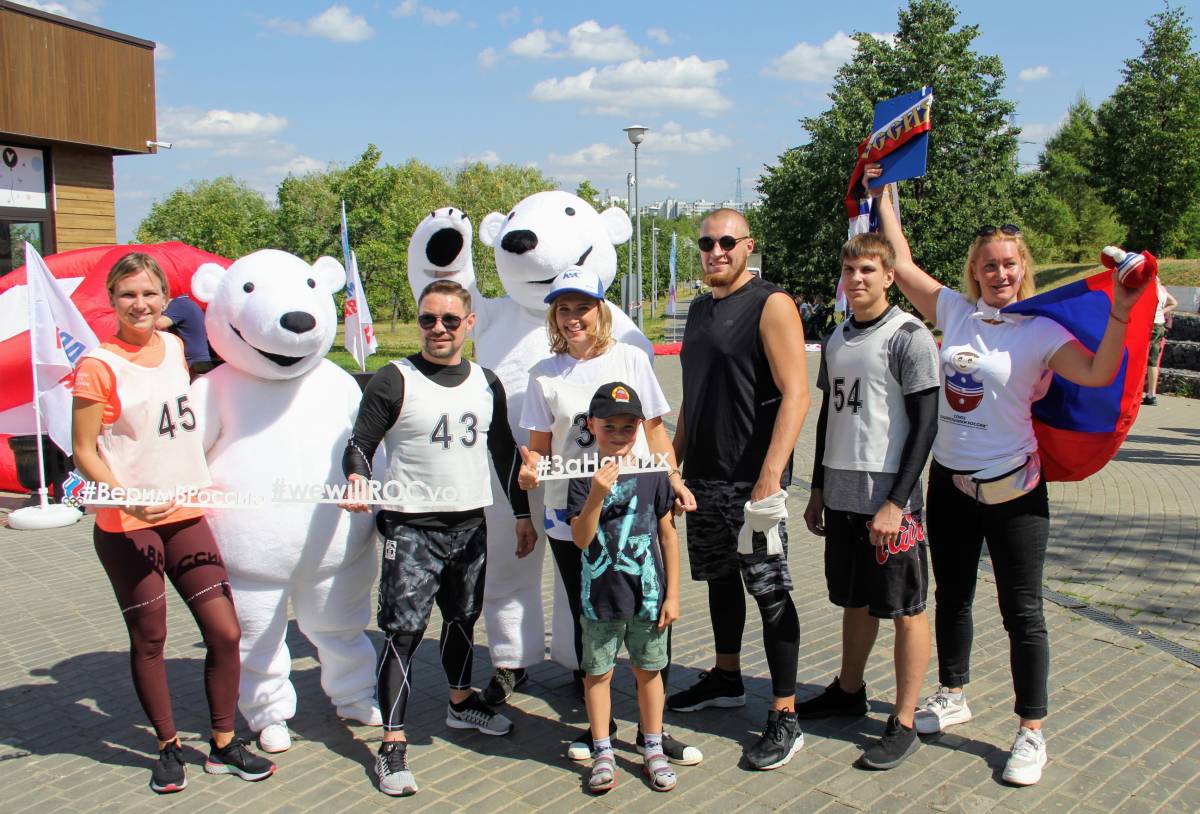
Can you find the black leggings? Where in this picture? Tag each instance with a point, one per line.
(395, 667)
(1016, 533)
(781, 628)
(568, 557)
(136, 563)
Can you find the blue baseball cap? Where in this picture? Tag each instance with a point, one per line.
(577, 278)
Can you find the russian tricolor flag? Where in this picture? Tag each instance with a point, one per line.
(1079, 429)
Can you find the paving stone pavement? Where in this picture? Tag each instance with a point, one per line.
(1123, 734)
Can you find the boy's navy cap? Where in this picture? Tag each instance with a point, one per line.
(615, 398)
(577, 278)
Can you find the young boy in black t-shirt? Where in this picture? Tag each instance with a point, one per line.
(630, 584)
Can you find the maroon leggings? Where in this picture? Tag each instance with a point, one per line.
(135, 562)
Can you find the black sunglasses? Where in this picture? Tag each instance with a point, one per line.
(727, 242)
(1007, 229)
(449, 321)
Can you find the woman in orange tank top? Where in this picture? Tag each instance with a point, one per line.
(133, 428)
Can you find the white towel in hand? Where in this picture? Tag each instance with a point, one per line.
(763, 515)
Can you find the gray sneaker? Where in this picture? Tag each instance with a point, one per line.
(474, 714)
(391, 767)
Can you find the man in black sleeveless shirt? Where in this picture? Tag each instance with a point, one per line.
(745, 393)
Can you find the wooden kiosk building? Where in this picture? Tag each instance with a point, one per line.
(72, 96)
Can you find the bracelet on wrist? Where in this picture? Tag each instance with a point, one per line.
(674, 471)
(1113, 314)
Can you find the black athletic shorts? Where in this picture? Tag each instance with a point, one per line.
(421, 565)
(889, 581)
(712, 539)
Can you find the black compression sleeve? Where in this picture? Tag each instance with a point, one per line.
(818, 475)
(377, 412)
(503, 448)
(922, 410)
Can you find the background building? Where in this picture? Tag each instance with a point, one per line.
(74, 96)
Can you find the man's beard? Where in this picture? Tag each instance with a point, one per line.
(725, 275)
(444, 352)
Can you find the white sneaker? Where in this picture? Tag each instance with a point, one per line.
(366, 712)
(275, 738)
(1024, 767)
(940, 710)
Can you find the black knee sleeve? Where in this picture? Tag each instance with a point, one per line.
(781, 640)
(727, 610)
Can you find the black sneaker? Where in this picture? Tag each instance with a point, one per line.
(834, 701)
(580, 747)
(780, 740)
(169, 773)
(898, 742)
(236, 759)
(676, 750)
(714, 688)
(474, 714)
(1150, 401)
(501, 687)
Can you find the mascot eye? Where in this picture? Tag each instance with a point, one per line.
(570, 210)
(312, 283)
(248, 287)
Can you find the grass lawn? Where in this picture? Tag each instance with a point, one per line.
(1172, 272)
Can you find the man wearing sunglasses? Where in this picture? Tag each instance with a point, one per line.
(745, 393)
(438, 416)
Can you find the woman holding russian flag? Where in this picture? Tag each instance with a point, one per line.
(985, 479)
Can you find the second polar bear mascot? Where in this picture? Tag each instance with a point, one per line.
(276, 419)
(540, 237)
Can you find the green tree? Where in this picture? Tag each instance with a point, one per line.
(223, 216)
(1062, 205)
(589, 193)
(1149, 134)
(972, 166)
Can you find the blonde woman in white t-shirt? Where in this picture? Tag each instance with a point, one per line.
(555, 412)
(984, 481)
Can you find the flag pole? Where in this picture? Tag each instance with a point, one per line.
(37, 404)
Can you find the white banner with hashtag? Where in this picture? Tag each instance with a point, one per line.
(553, 467)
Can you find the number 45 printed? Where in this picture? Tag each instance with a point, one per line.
(186, 418)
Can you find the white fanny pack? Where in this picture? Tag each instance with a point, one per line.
(1002, 482)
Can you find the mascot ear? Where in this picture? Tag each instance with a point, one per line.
(206, 280)
(616, 223)
(330, 273)
(489, 228)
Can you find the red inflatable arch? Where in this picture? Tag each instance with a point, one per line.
(82, 272)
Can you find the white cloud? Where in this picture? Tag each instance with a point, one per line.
(87, 11)
(817, 63)
(1040, 132)
(509, 17)
(671, 138)
(486, 157)
(190, 125)
(589, 41)
(1033, 74)
(163, 52)
(689, 83)
(658, 182)
(594, 155)
(336, 23)
(534, 45)
(429, 15)
(488, 58)
(298, 165)
(659, 35)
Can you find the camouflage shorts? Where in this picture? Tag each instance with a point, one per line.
(712, 538)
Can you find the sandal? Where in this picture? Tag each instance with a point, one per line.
(604, 773)
(658, 770)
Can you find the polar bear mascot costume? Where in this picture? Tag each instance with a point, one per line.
(542, 235)
(279, 411)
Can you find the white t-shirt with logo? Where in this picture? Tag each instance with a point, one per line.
(991, 376)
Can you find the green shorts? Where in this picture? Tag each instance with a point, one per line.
(647, 645)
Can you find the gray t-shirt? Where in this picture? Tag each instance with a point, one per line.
(913, 362)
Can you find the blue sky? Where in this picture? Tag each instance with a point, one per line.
(261, 88)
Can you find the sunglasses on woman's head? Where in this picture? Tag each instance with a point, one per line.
(726, 242)
(449, 321)
(1007, 229)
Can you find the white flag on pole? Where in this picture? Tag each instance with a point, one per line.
(58, 336)
(360, 338)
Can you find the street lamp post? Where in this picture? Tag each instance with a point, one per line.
(627, 301)
(636, 133)
(654, 230)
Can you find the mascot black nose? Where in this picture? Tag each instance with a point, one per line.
(298, 322)
(519, 241)
(444, 246)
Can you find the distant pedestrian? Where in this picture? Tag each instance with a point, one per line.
(1162, 323)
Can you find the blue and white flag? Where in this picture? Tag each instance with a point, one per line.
(671, 287)
(360, 338)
